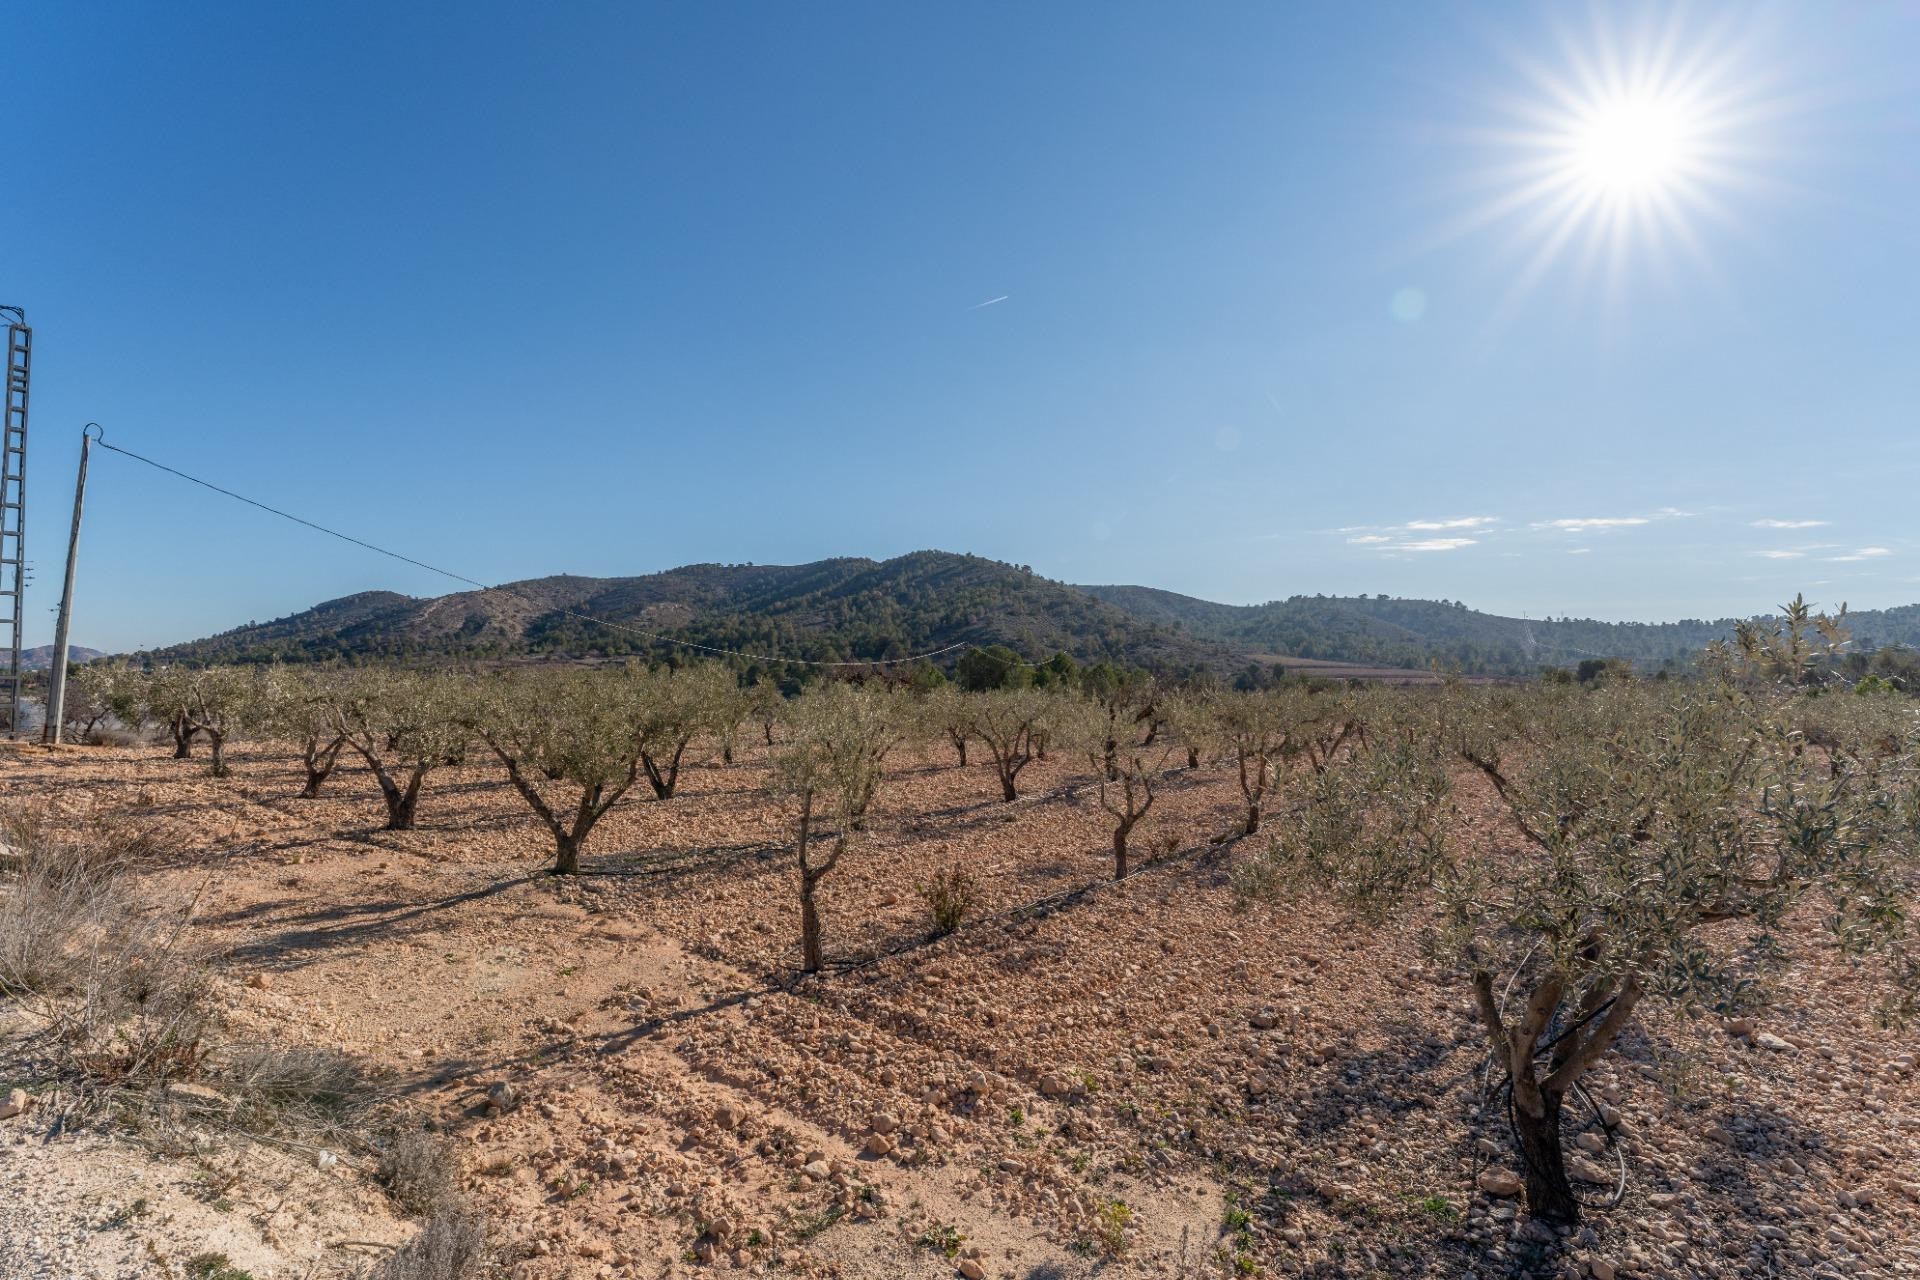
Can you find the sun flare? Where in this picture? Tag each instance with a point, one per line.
(1632, 146)
(1627, 149)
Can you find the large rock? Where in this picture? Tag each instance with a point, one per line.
(1500, 1182)
(1581, 1169)
(15, 1103)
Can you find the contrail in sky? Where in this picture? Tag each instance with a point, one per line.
(990, 301)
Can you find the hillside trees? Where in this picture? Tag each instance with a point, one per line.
(991, 666)
(569, 739)
(828, 772)
(1649, 814)
(404, 725)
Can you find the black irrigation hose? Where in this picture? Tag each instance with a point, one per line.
(1619, 1151)
(1478, 1162)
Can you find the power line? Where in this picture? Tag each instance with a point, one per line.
(474, 582)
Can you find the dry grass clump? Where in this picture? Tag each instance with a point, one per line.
(107, 976)
(303, 1090)
(451, 1245)
(421, 1171)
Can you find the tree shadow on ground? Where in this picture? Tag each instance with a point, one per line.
(315, 933)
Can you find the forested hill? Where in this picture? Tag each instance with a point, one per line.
(1415, 633)
(832, 610)
(860, 610)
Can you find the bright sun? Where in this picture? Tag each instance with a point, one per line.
(1633, 146)
(1628, 146)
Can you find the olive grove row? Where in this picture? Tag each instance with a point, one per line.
(1655, 837)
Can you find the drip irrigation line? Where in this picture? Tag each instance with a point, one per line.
(475, 582)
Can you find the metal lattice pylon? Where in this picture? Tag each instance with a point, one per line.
(13, 512)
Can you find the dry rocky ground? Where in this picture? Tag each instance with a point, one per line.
(1087, 1079)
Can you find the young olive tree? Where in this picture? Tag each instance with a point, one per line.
(166, 696)
(1256, 727)
(404, 725)
(732, 708)
(1649, 813)
(1013, 724)
(948, 711)
(1188, 715)
(570, 741)
(94, 693)
(1125, 700)
(299, 704)
(1125, 769)
(213, 702)
(765, 707)
(680, 705)
(828, 771)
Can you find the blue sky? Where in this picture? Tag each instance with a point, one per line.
(611, 288)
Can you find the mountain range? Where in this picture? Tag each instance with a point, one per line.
(854, 610)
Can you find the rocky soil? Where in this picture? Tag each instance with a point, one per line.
(1088, 1078)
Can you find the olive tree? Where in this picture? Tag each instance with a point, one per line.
(1188, 715)
(300, 704)
(166, 696)
(828, 772)
(1125, 700)
(1012, 723)
(211, 702)
(1124, 770)
(94, 694)
(1256, 727)
(680, 705)
(404, 725)
(948, 711)
(1649, 813)
(570, 741)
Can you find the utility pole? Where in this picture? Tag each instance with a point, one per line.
(57, 682)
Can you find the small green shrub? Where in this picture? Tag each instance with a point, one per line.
(950, 897)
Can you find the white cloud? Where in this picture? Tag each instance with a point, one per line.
(1369, 539)
(1458, 522)
(1788, 524)
(1435, 544)
(1580, 551)
(1864, 553)
(1588, 524)
(1781, 555)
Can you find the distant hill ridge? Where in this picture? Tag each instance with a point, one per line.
(40, 656)
(841, 610)
(855, 609)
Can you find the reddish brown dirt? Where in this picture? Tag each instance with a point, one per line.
(1276, 1090)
